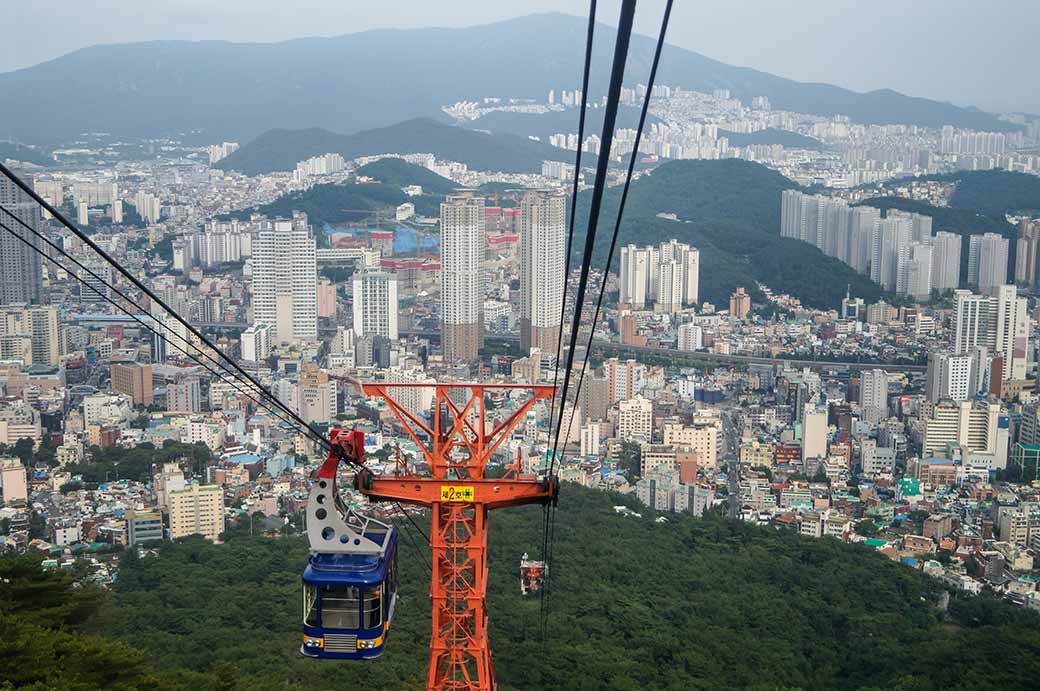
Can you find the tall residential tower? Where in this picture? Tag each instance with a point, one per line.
(543, 230)
(462, 275)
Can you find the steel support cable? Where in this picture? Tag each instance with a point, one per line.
(411, 538)
(574, 203)
(624, 34)
(590, 34)
(621, 207)
(617, 74)
(610, 253)
(151, 295)
(274, 411)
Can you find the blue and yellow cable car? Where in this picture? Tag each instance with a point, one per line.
(350, 583)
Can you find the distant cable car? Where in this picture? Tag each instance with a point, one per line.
(350, 583)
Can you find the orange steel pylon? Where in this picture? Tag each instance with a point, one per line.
(457, 447)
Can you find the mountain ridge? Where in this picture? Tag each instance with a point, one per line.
(363, 80)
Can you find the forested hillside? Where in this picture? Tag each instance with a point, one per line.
(729, 209)
(635, 605)
(281, 149)
(354, 201)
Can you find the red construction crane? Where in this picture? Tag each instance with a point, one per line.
(457, 449)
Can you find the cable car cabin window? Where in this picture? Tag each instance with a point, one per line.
(340, 606)
(373, 607)
(310, 605)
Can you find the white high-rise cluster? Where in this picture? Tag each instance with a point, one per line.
(666, 276)
(897, 251)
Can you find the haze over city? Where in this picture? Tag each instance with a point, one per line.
(470, 346)
(947, 50)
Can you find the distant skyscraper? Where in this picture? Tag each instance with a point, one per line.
(952, 376)
(873, 395)
(543, 231)
(914, 270)
(893, 233)
(946, 261)
(999, 323)
(462, 275)
(987, 262)
(375, 304)
(21, 279)
(1026, 253)
(285, 280)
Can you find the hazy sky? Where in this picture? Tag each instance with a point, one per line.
(970, 52)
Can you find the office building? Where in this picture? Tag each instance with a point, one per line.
(635, 420)
(462, 276)
(285, 280)
(956, 377)
(873, 395)
(197, 510)
(814, 431)
(739, 304)
(543, 232)
(143, 526)
(21, 277)
(702, 439)
(15, 481)
(375, 303)
(35, 329)
(184, 397)
(134, 380)
(852, 308)
(972, 425)
(255, 343)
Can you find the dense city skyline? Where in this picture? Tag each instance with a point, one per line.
(767, 354)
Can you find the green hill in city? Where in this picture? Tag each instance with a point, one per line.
(354, 201)
(634, 604)
(281, 149)
(730, 210)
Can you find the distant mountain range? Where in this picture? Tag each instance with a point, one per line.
(280, 149)
(369, 79)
